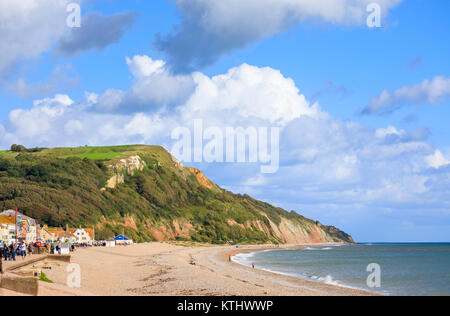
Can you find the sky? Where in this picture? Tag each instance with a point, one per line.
(363, 111)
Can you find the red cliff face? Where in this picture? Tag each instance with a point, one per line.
(202, 179)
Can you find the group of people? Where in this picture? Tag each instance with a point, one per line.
(56, 248)
(9, 252)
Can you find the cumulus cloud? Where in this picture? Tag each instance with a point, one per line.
(29, 28)
(327, 165)
(242, 96)
(36, 123)
(96, 33)
(428, 92)
(59, 121)
(245, 93)
(437, 160)
(154, 87)
(144, 66)
(212, 28)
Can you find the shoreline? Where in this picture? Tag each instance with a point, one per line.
(179, 269)
(234, 253)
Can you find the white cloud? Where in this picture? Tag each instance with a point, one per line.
(428, 92)
(326, 164)
(154, 86)
(28, 28)
(243, 93)
(247, 92)
(144, 66)
(391, 130)
(36, 123)
(211, 28)
(437, 160)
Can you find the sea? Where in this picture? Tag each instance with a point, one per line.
(419, 269)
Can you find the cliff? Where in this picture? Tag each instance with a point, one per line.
(147, 193)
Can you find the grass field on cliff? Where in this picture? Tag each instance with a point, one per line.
(67, 186)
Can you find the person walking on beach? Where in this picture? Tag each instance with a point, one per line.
(253, 265)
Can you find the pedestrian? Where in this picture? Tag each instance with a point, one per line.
(12, 252)
(23, 250)
(5, 252)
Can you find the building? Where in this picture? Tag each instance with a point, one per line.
(45, 234)
(73, 235)
(26, 227)
(7, 228)
(57, 233)
(29, 230)
(81, 235)
(123, 240)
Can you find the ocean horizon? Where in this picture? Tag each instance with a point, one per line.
(406, 269)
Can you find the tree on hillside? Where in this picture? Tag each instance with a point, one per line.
(18, 148)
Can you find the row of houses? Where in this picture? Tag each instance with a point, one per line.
(73, 235)
(15, 226)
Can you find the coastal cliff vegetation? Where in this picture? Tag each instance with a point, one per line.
(145, 193)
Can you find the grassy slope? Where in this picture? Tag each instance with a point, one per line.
(63, 186)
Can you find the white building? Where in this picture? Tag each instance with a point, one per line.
(81, 235)
(26, 226)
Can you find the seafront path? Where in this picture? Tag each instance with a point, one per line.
(19, 263)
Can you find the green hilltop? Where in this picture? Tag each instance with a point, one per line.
(144, 192)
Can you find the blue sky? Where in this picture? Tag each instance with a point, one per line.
(389, 168)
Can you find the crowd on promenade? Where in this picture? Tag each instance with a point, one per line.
(13, 250)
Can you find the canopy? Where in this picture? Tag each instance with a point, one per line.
(121, 238)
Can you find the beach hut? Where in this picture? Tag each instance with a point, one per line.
(123, 240)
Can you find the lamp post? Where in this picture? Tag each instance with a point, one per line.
(17, 212)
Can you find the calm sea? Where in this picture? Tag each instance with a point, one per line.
(406, 269)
